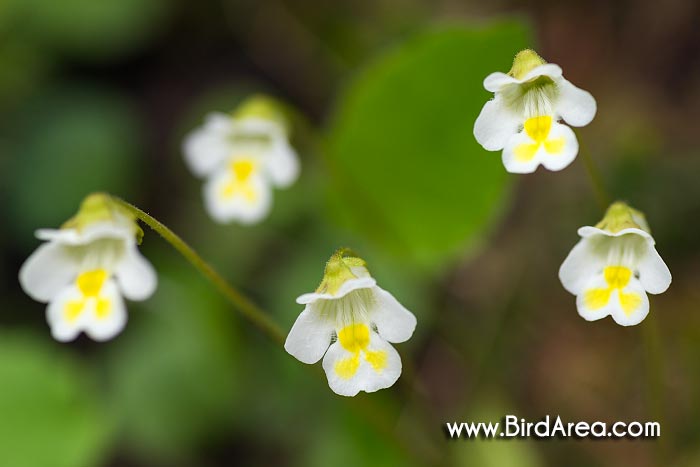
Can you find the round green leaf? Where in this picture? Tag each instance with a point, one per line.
(407, 171)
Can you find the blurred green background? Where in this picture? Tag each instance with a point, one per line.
(97, 95)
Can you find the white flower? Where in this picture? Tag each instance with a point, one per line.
(241, 156)
(85, 267)
(614, 266)
(238, 191)
(523, 117)
(357, 319)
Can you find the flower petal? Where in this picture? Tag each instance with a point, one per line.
(630, 305)
(394, 322)
(101, 317)
(595, 301)
(627, 306)
(495, 81)
(108, 316)
(550, 70)
(376, 367)
(580, 266)
(135, 275)
(208, 146)
(589, 231)
(282, 163)
(522, 154)
(653, 272)
(120, 228)
(560, 149)
(576, 106)
(47, 271)
(496, 124)
(65, 322)
(310, 336)
(347, 287)
(248, 206)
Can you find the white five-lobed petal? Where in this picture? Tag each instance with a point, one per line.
(83, 273)
(241, 160)
(351, 329)
(539, 99)
(611, 274)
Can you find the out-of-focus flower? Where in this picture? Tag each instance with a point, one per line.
(85, 267)
(357, 319)
(614, 266)
(241, 156)
(523, 117)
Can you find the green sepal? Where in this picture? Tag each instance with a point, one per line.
(524, 62)
(262, 107)
(339, 270)
(620, 216)
(100, 207)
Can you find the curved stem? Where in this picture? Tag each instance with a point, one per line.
(375, 414)
(601, 194)
(244, 305)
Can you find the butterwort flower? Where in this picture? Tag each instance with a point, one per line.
(613, 267)
(349, 321)
(85, 268)
(242, 156)
(524, 117)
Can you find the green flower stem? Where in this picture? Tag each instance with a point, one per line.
(651, 338)
(375, 414)
(601, 194)
(244, 305)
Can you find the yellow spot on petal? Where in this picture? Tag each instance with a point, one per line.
(596, 299)
(90, 285)
(630, 302)
(102, 308)
(376, 358)
(554, 146)
(240, 184)
(354, 337)
(525, 152)
(347, 367)
(90, 282)
(242, 169)
(538, 128)
(617, 278)
(73, 309)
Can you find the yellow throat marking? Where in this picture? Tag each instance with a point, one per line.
(355, 339)
(89, 284)
(241, 171)
(538, 128)
(617, 278)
